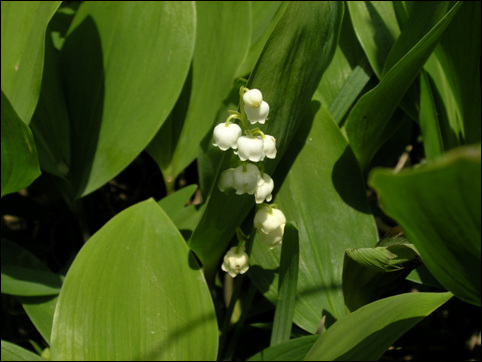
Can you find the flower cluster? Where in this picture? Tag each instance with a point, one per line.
(249, 176)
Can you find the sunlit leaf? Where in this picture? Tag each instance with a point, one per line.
(12, 352)
(217, 55)
(123, 66)
(439, 207)
(19, 154)
(306, 34)
(370, 122)
(40, 311)
(23, 36)
(366, 334)
(288, 279)
(324, 193)
(292, 350)
(136, 287)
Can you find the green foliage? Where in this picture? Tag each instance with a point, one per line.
(19, 154)
(375, 108)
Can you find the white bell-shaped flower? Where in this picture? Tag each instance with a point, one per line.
(264, 190)
(250, 149)
(269, 146)
(274, 238)
(258, 114)
(236, 261)
(245, 179)
(253, 98)
(226, 179)
(268, 219)
(226, 136)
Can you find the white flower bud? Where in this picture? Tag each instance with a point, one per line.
(250, 149)
(226, 179)
(259, 114)
(253, 98)
(245, 179)
(235, 262)
(264, 189)
(226, 136)
(269, 146)
(274, 238)
(267, 220)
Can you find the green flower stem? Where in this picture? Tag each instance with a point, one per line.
(235, 116)
(255, 132)
(243, 119)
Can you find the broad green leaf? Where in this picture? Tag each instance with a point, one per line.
(23, 36)
(23, 274)
(346, 76)
(324, 193)
(350, 91)
(136, 287)
(439, 207)
(288, 278)
(370, 122)
(366, 334)
(217, 55)
(292, 350)
(264, 17)
(376, 27)
(40, 311)
(123, 66)
(288, 72)
(174, 205)
(12, 352)
(19, 154)
(431, 12)
(171, 204)
(456, 78)
(50, 122)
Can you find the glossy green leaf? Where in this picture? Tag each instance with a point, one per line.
(439, 207)
(136, 287)
(324, 193)
(456, 79)
(19, 154)
(123, 66)
(292, 350)
(23, 36)
(376, 27)
(12, 352)
(288, 72)
(174, 205)
(217, 55)
(40, 311)
(50, 122)
(264, 17)
(171, 204)
(23, 274)
(431, 12)
(288, 279)
(370, 122)
(346, 76)
(366, 334)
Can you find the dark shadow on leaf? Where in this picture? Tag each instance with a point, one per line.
(328, 320)
(296, 145)
(82, 69)
(261, 278)
(348, 181)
